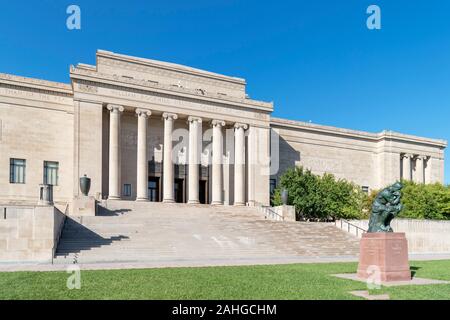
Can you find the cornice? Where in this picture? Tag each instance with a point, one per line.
(407, 137)
(93, 76)
(38, 84)
(376, 137)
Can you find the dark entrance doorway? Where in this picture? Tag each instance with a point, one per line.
(179, 190)
(153, 189)
(203, 186)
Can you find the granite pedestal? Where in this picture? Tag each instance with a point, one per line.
(386, 252)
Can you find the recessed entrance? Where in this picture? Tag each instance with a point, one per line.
(179, 190)
(153, 189)
(203, 187)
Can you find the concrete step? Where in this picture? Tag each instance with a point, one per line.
(128, 231)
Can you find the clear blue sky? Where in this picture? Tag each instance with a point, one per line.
(315, 59)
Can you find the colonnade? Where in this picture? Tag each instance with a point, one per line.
(194, 152)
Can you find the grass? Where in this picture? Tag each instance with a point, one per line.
(294, 281)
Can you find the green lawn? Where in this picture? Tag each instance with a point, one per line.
(294, 281)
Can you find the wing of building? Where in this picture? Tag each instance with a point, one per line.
(148, 130)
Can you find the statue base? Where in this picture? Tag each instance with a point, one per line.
(386, 252)
(84, 206)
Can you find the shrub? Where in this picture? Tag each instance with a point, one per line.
(421, 201)
(320, 197)
(367, 204)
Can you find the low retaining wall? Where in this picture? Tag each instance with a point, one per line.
(287, 212)
(29, 234)
(424, 236)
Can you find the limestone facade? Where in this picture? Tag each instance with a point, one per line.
(147, 130)
(371, 160)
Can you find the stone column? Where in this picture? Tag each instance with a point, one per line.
(168, 165)
(217, 152)
(419, 176)
(428, 170)
(114, 151)
(142, 162)
(194, 158)
(406, 167)
(239, 164)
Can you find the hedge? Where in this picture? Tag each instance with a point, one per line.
(422, 201)
(320, 197)
(324, 197)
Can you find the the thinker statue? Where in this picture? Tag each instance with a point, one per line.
(385, 207)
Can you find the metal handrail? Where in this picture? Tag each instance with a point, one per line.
(269, 212)
(357, 228)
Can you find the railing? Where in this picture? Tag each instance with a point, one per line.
(358, 230)
(66, 209)
(268, 212)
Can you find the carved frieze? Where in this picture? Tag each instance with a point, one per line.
(156, 85)
(34, 93)
(87, 88)
(167, 100)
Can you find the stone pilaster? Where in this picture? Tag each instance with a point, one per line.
(406, 160)
(168, 164)
(142, 161)
(239, 164)
(194, 158)
(114, 151)
(419, 175)
(428, 170)
(217, 160)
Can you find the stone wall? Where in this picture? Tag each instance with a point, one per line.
(29, 234)
(424, 236)
(87, 133)
(369, 159)
(36, 124)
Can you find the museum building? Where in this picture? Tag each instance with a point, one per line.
(146, 130)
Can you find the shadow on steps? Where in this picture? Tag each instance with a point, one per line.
(75, 237)
(105, 212)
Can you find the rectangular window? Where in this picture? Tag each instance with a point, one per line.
(127, 190)
(17, 170)
(273, 185)
(365, 189)
(51, 172)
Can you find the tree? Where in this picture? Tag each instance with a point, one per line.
(320, 197)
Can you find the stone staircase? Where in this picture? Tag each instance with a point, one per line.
(127, 232)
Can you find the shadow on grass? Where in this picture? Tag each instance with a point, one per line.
(414, 270)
